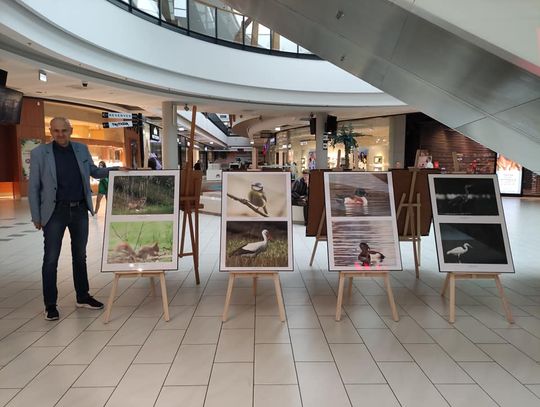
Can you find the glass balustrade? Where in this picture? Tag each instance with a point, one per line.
(213, 21)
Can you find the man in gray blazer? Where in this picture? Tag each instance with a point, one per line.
(60, 197)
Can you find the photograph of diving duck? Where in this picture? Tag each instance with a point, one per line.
(256, 194)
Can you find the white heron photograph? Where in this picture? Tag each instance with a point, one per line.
(473, 247)
(256, 245)
(353, 194)
(465, 195)
(363, 245)
(256, 194)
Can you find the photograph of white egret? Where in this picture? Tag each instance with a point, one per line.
(363, 245)
(358, 194)
(256, 246)
(256, 194)
(462, 195)
(473, 247)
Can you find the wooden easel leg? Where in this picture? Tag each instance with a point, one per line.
(445, 286)
(452, 282)
(254, 286)
(313, 252)
(196, 247)
(390, 294)
(183, 234)
(416, 262)
(111, 298)
(349, 287)
(506, 307)
(340, 295)
(164, 297)
(279, 297)
(152, 287)
(228, 297)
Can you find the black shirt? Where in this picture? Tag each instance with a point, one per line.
(68, 174)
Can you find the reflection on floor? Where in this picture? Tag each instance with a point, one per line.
(253, 359)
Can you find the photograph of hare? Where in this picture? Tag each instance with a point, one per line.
(140, 242)
(143, 194)
(473, 243)
(253, 245)
(256, 194)
(364, 245)
(466, 196)
(358, 194)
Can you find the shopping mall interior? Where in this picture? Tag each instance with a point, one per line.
(278, 90)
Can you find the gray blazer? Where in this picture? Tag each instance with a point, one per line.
(42, 185)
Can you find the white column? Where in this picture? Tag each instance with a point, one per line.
(397, 141)
(322, 155)
(169, 142)
(254, 158)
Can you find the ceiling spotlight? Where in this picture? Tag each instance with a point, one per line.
(186, 107)
(339, 14)
(251, 142)
(42, 75)
(277, 129)
(211, 142)
(181, 129)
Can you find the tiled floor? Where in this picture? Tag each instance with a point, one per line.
(254, 360)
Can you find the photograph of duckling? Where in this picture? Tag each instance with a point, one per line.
(252, 245)
(256, 194)
(354, 194)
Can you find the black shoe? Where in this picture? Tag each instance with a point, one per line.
(51, 313)
(89, 302)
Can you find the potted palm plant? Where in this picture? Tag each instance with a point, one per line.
(345, 136)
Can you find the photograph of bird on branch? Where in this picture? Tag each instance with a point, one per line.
(143, 194)
(466, 196)
(257, 245)
(256, 194)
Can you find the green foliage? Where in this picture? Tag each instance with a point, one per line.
(276, 254)
(156, 191)
(345, 136)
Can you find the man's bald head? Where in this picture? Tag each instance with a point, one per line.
(61, 130)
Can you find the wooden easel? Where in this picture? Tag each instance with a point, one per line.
(151, 274)
(352, 274)
(451, 282)
(319, 237)
(412, 220)
(190, 196)
(274, 275)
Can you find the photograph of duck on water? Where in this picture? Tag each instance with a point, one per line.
(358, 194)
(465, 195)
(255, 246)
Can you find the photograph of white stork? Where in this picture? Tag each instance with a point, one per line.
(256, 194)
(465, 195)
(251, 245)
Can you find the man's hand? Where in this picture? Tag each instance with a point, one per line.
(37, 225)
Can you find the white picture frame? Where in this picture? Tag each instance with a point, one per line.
(141, 221)
(470, 228)
(251, 203)
(361, 222)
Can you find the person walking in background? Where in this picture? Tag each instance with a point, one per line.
(60, 197)
(102, 187)
(197, 166)
(299, 193)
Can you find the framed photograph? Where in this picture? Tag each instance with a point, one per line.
(470, 229)
(141, 222)
(378, 159)
(256, 222)
(362, 232)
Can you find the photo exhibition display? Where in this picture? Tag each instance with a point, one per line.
(470, 229)
(141, 223)
(256, 227)
(361, 219)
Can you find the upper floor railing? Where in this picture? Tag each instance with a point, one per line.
(215, 22)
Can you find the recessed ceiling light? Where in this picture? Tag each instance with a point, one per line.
(42, 75)
(251, 142)
(277, 129)
(211, 142)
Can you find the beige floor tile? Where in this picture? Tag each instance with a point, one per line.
(108, 367)
(277, 395)
(302, 316)
(339, 331)
(119, 316)
(309, 345)
(475, 331)
(523, 368)
(465, 395)
(231, 385)
(235, 345)
(203, 330)
(135, 331)
(363, 316)
(140, 386)
(368, 395)
(383, 345)
(458, 346)
(269, 329)
(14, 344)
(523, 340)
(408, 331)
(22, 369)
(180, 316)
(355, 364)
(160, 347)
(320, 385)
(192, 366)
(240, 316)
(86, 397)
(63, 333)
(184, 396)
(274, 364)
(426, 317)
(84, 348)
(6, 395)
(210, 306)
(296, 296)
(48, 387)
